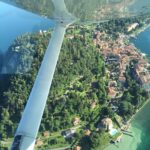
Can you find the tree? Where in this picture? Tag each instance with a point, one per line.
(86, 143)
(99, 140)
(127, 96)
(53, 141)
(107, 111)
(125, 108)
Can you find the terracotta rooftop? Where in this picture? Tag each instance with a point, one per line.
(106, 121)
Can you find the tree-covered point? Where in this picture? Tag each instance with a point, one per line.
(76, 85)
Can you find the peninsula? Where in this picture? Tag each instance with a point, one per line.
(100, 82)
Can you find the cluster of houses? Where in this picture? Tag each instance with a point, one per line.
(118, 55)
(70, 132)
(142, 74)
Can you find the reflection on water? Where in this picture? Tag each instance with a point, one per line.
(15, 22)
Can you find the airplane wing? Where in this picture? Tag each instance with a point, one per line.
(27, 130)
(64, 12)
(29, 125)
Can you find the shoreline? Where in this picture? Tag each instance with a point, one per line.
(130, 121)
(137, 111)
(146, 102)
(139, 31)
(137, 34)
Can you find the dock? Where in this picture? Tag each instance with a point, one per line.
(129, 134)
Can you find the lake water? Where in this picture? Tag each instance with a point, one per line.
(15, 22)
(140, 125)
(142, 42)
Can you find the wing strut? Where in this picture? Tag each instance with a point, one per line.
(27, 130)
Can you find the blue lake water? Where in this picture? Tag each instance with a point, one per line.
(15, 22)
(142, 42)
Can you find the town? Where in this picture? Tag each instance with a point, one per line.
(117, 55)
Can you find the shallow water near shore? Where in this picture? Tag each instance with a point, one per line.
(140, 128)
(142, 122)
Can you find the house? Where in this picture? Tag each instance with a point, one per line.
(68, 133)
(70, 37)
(77, 148)
(46, 134)
(111, 92)
(87, 132)
(132, 26)
(39, 143)
(17, 49)
(142, 75)
(93, 105)
(76, 121)
(106, 124)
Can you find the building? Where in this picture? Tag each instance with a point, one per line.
(142, 75)
(46, 134)
(77, 148)
(107, 124)
(68, 133)
(111, 92)
(87, 132)
(39, 143)
(76, 121)
(93, 105)
(132, 26)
